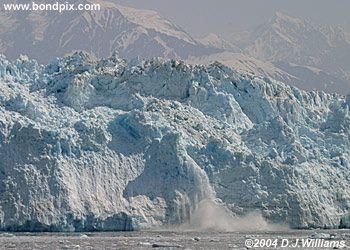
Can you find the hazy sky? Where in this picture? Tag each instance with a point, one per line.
(200, 17)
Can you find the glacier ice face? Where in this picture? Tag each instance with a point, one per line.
(112, 144)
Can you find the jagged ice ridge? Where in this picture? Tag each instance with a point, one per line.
(111, 144)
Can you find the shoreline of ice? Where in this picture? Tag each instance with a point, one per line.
(112, 145)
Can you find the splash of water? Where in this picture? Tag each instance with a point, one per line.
(209, 216)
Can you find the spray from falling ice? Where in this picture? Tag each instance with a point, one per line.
(210, 216)
(205, 214)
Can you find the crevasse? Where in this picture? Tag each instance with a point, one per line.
(113, 144)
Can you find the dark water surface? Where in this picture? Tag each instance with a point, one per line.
(171, 240)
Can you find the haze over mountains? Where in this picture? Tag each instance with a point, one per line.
(112, 144)
(129, 31)
(295, 51)
(312, 53)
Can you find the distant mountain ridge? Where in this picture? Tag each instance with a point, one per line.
(302, 44)
(289, 49)
(298, 41)
(295, 51)
(213, 40)
(130, 31)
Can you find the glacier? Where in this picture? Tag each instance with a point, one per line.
(112, 144)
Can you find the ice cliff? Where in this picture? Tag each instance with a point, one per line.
(111, 144)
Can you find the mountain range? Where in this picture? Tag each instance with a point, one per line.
(298, 52)
(305, 50)
(129, 31)
(295, 51)
(109, 144)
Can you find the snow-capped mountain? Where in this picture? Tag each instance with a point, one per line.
(317, 55)
(245, 63)
(129, 31)
(294, 51)
(291, 50)
(113, 144)
(303, 77)
(284, 38)
(215, 41)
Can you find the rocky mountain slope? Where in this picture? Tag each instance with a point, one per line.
(295, 51)
(215, 41)
(288, 49)
(317, 55)
(130, 31)
(120, 145)
(247, 64)
(299, 41)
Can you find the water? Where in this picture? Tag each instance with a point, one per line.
(168, 239)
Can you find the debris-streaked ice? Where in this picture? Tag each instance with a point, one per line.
(119, 145)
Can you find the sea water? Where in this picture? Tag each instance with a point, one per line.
(173, 240)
